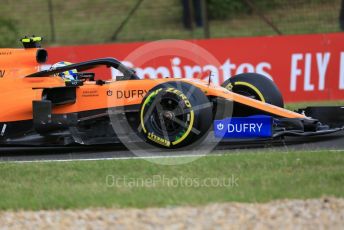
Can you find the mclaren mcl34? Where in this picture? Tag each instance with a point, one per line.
(39, 108)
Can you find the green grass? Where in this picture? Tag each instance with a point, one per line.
(293, 18)
(260, 177)
(89, 21)
(294, 106)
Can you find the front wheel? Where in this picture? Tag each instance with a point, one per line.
(175, 114)
(255, 86)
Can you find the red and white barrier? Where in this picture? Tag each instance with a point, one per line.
(305, 67)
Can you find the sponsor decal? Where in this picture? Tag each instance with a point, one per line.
(131, 93)
(109, 93)
(124, 94)
(2, 73)
(243, 127)
(74, 83)
(5, 52)
(90, 93)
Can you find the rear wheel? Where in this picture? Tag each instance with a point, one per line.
(175, 114)
(255, 86)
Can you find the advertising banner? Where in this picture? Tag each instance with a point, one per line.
(304, 67)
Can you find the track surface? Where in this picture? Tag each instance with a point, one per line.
(333, 141)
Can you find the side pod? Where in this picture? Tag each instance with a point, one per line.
(44, 121)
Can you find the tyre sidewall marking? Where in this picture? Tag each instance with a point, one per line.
(159, 140)
(255, 89)
(147, 100)
(229, 86)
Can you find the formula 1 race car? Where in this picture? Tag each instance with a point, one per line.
(42, 109)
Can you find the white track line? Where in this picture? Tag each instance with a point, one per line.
(163, 157)
(112, 158)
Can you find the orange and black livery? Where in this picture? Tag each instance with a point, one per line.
(40, 108)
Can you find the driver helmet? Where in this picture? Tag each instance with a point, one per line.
(69, 75)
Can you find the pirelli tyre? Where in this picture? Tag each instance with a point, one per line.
(256, 86)
(174, 115)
